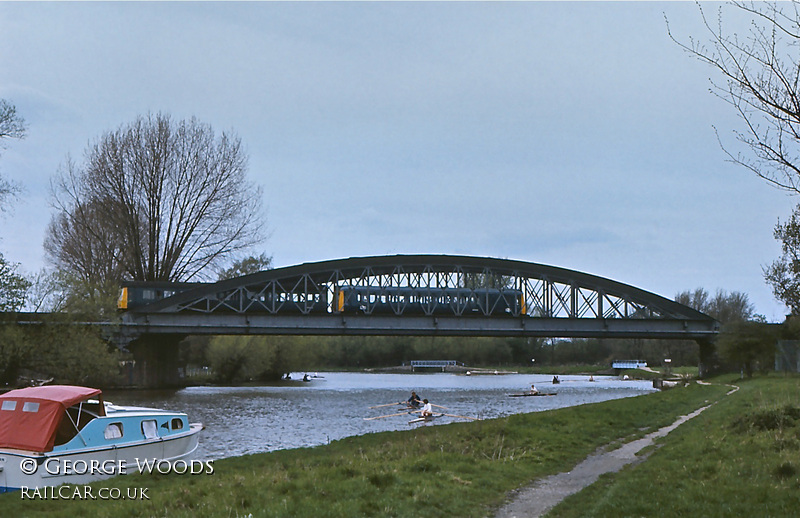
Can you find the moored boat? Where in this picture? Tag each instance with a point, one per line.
(63, 434)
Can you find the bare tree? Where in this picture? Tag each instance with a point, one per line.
(726, 307)
(155, 199)
(87, 244)
(12, 125)
(759, 76)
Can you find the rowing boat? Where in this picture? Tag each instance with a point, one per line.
(436, 416)
(526, 394)
(426, 419)
(388, 415)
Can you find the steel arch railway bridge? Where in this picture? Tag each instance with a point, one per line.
(412, 295)
(436, 295)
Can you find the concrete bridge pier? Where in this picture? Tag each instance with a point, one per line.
(709, 361)
(157, 362)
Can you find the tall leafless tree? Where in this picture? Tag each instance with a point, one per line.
(12, 125)
(156, 199)
(759, 76)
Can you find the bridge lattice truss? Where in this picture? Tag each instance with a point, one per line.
(422, 294)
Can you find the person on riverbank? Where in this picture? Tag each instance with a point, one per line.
(414, 401)
(427, 410)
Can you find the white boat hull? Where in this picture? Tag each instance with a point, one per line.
(20, 469)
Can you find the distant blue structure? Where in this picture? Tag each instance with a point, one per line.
(437, 364)
(629, 364)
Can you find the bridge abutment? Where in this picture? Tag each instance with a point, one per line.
(157, 361)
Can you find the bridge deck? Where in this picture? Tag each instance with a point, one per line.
(436, 295)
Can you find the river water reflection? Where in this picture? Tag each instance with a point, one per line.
(244, 420)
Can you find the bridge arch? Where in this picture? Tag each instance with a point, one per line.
(413, 294)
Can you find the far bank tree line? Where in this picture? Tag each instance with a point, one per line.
(746, 343)
(160, 199)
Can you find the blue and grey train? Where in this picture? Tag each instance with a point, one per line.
(429, 301)
(346, 300)
(136, 294)
(139, 293)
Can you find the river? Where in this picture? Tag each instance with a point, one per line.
(255, 419)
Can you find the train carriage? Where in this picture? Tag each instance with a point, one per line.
(428, 301)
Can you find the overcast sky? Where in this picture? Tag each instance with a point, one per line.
(571, 134)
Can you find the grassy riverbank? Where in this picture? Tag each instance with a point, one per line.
(741, 457)
(461, 469)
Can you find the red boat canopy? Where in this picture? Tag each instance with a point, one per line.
(30, 416)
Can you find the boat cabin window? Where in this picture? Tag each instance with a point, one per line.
(76, 418)
(177, 423)
(113, 431)
(150, 429)
(30, 406)
(9, 405)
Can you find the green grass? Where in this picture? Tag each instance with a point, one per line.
(686, 372)
(460, 469)
(741, 457)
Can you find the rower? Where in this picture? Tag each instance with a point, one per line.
(534, 390)
(427, 410)
(414, 401)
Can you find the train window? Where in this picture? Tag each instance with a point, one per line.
(148, 294)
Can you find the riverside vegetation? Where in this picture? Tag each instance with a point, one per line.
(742, 455)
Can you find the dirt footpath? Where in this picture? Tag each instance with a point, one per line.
(536, 500)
